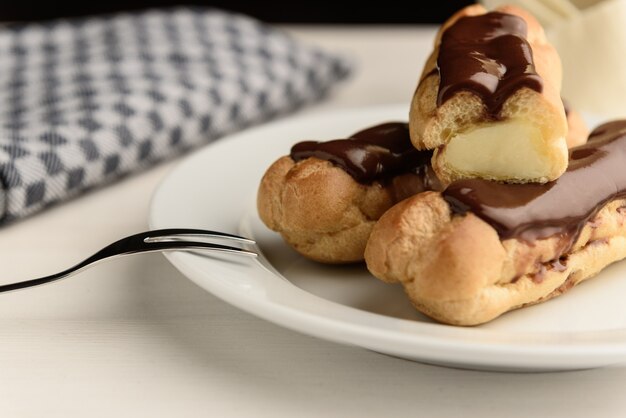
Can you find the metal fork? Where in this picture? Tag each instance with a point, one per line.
(178, 239)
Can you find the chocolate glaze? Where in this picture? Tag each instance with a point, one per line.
(489, 56)
(542, 268)
(567, 285)
(595, 176)
(559, 264)
(374, 154)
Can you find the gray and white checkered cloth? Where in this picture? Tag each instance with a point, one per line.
(83, 102)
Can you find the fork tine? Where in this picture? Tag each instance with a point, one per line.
(187, 245)
(180, 233)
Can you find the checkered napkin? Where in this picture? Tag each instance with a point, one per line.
(84, 102)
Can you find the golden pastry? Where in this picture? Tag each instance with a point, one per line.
(488, 102)
(481, 248)
(325, 197)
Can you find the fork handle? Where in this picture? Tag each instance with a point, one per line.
(145, 242)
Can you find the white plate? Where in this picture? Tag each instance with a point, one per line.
(215, 188)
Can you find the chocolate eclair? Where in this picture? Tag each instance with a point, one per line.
(324, 197)
(488, 101)
(481, 248)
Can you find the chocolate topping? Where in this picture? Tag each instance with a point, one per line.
(374, 154)
(595, 176)
(489, 56)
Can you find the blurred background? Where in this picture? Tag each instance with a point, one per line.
(276, 12)
(584, 32)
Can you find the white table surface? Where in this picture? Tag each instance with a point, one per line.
(134, 338)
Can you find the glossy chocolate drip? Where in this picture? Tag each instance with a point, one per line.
(374, 154)
(596, 175)
(558, 265)
(489, 56)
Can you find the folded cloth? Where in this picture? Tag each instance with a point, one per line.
(83, 102)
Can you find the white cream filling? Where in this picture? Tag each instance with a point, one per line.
(505, 150)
